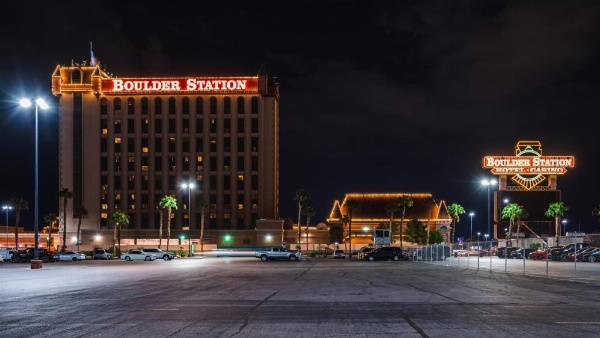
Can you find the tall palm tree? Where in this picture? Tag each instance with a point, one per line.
(169, 203)
(65, 194)
(301, 198)
(119, 218)
(19, 204)
(391, 210)
(309, 212)
(50, 219)
(513, 211)
(404, 202)
(345, 220)
(202, 206)
(160, 227)
(429, 202)
(556, 210)
(79, 212)
(351, 206)
(455, 210)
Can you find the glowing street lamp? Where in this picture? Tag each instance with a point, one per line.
(39, 103)
(488, 183)
(189, 187)
(6, 208)
(564, 223)
(471, 214)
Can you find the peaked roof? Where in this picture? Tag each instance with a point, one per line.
(373, 206)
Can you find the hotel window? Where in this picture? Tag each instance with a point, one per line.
(227, 105)
(213, 163)
(157, 145)
(185, 108)
(240, 182)
(158, 106)
(103, 126)
(103, 106)
(130, 144)
(145, 106)
(199, 126)
(240, 105)
(186, 163)
(130, 126)
(227, 144)
(131, 163)
(186, 125)
(254, 163)
(117, 106)
(254, 141)
(131, 182)
(199, 145)
(172, 164)
(213, 126)
(213, 105)
(145, 124)
(227, 182)
(158, 125)
(172, 143)
(103, 163)
(130, 106)
(199, 106)
(117, 182)
(145, 145)
(172, 185)
(158, 184)
(145, 163)
(227, 125)
(213, 182)
(240, 163)
(144, 182)
(226, 163)
(240, 144)
(199, 179)
(172, 126)
(254, 104)
(76, 76)
(117, 163)
(172, 106)
(240, 124)
(254, 125)
(117, 144)
(158, 163)
(199, 163)
(103, 145)
(117, 126)
(186, 145)
(254, 183)
(213, 144)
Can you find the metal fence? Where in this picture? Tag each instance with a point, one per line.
(482, 256)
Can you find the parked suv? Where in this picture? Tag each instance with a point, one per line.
(384, 253)
(561, 254)
(26, 255)
(166, 255)
(504, 252)
(102, 254)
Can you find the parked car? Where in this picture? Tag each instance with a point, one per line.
(593, 256)
(102, 254)
(74, 256)
(363, 250)
(539, 255)
(520, 253)
(138, 255)
(166, 255)
(26, 255)
(503, 252)
(6, 253)
(384, 253)
(561, 254)
(338, 253)
(579, 254)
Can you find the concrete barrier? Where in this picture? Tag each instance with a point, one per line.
(36, 264)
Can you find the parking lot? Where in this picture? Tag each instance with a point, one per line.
(244, 297)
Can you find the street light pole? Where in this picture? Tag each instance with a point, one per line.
(189, 187)
(471, 214)
(564, 223)
(39, 103)
(488, 183)
(6, 208)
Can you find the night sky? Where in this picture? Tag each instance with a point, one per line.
(385, 96)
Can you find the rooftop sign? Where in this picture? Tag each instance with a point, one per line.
(181, 85)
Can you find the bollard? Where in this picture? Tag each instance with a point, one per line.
(36, 264)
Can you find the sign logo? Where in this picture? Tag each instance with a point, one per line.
(180, 85)
(528, 166)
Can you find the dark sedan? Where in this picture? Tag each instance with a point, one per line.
(384, 253)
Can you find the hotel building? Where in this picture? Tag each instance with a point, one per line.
(125, 143)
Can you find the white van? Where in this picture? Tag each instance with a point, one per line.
(6, 254)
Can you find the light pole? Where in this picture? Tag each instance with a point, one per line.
(471, 214)
(39, 103)
(488, 183)
(478, 234)
(564, 223)
(6, 208)
(189, 187)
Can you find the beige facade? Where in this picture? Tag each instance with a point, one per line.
(125, 150)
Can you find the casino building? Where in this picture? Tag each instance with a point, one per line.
(125, 143)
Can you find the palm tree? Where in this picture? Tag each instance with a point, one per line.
(19, 204)
(66, 194)
(345, 220)
(351, 206)
(309, 212)
(556, 210)
(202, 206)
(160, 227)
(512, 211)
(596, 212)
(391, 210)
(50, 219)
(429, 202)
(404, 202)
(455, 210)
(79, 212)
(301, 197)
(169, 203)
(119, 218)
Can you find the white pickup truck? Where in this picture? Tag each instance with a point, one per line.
(275, 253)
